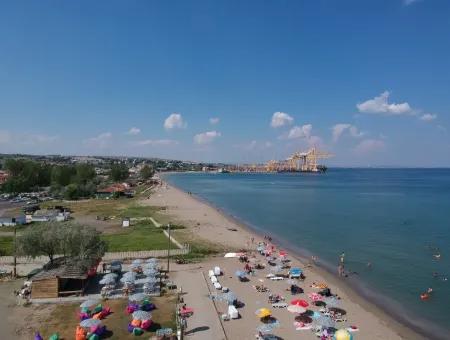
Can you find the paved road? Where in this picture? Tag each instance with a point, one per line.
(204, 324)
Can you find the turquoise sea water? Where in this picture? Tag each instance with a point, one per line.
(393, 218)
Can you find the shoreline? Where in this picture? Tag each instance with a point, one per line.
(354, 293)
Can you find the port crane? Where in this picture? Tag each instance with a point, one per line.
(306, 161)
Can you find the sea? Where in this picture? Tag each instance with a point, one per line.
(390, 223)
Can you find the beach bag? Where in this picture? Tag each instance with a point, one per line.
(146, 324)
(138, 331)
(54, 336)
(136, 323)
(130, 328)
(38, 336)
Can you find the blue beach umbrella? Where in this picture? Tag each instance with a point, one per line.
(240, 273)
(88, 323)
(324, 321)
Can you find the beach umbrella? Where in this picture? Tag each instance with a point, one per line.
(316, 315)
(107, 280)
(164, 331)
(229, 297)
(303, 318)
(137, 262)
(263, 313)
(113, 275)
(296, 309)
(151, 260)
(150, 272)
(138, 297)
(142, 315)
(342, 334)
(89, 303)
(315, 297)
(127, 280)
(130, 274)
(324, 321)
(276, 269)
(88, 323)
(264, 328)
(331, 301)
(240, 273)
(337, 310)
(299, 302)
(144, 280)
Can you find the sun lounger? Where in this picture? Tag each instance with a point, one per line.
(225, 289)
(279, 305)
(217, 271)
(303, 328)
(213, 279)
(277, 278)
(217, 285)
(210, 273)
(270, 275)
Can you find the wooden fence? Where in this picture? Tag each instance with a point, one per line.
(107, 257)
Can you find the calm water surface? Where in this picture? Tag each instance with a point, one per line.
(393, 218)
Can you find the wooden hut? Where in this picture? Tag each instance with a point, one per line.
(62, 278)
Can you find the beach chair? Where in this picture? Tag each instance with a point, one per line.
(217, 285)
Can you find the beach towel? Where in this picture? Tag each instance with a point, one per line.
(94, 337)
(54, 336)
(97, 309)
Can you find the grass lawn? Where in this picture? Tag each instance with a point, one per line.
(6, 245)
(142, 236)
(63, 319)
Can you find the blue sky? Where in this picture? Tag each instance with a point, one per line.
(234, 81)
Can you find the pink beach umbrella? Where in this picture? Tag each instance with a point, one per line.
(315, 297)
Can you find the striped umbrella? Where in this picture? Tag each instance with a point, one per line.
(89, 303)
(88, 323)
(142, 315)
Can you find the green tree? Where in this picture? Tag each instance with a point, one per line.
(84, 173)
(76, 242)
(119, 172)
(71, 192)
(41, 240)
(147, 172)
(62, 175)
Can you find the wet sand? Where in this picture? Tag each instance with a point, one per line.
(211, 225)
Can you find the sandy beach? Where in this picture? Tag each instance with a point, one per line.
(209, 224)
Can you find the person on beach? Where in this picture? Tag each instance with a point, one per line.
(342, 258)
(341, 269)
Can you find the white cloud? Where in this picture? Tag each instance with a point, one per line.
(157, 142)
(410, 2)
(369, 145)
(428, 117)
(101, 141)
(381, 105)
(206, 137)
(303, 131)
(5, 137)
(38, 139)
(214, 120)
(134, 131)
(339, 129)
(174, 121)
(281, 119)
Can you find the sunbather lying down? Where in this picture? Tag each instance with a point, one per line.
(261, 288)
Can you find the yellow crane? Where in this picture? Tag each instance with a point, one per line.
(306, 161)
